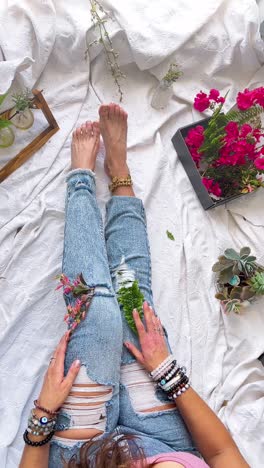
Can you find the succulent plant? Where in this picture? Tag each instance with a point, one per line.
(239, 280)
(232, 264)
(256, 283)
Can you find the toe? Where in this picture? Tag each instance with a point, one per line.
(104, 111)
(112, 112)
(78, 133)
(117, 110)
(83, 129)
(96, 129)
(89, 128)
(123, 114)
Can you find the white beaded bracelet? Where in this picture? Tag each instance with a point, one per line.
(162, 367)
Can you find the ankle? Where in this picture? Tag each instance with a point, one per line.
(118, 170)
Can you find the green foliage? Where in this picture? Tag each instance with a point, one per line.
(170, 235)
(99, 19)
(256, 283)
(232, 264)
(246, 116)
(22, 100)
(173, 73)
(131, 298)
(4, 123)
(2, 98)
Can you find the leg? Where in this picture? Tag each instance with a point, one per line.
(142, 409)
(92, 407)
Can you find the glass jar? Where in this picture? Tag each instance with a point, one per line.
(162, 95)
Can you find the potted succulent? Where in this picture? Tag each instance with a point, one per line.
(240, 280)
(223, 155)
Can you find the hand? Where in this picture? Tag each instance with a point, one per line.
(56, 387)
(153, 344)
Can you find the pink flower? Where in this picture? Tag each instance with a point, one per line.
(245, 100)
(212, 186)
(214, 94)
(195, 137)
(232, 130)
(58, 287)
(259, 163)
(67, 290)
(259, 96)
(201, 102)
(245, 130)
(74, 325)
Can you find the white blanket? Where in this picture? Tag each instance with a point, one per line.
(217, 44)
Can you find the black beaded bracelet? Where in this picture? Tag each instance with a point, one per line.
(37, 444)
(177, 386)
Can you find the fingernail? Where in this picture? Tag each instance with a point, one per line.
(77, 363)
(135, 311)
(146, 303)
(126, 344)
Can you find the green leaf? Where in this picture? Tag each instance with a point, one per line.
(236, 293)
(2, 98)
(4, 123)
(220, 296)
(170, 235)
(231, 254)
(226, 275)
(244, 251)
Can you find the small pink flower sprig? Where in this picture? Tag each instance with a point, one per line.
(84, 294)
(229, 153)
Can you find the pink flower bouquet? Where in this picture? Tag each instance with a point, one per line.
(228, 152)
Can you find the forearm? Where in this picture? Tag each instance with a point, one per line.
(35, 457)
(208, 432)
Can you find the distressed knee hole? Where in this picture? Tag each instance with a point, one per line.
(85, 408)
(141, 390)
(124, 277)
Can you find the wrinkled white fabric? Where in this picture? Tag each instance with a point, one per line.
(217, 44)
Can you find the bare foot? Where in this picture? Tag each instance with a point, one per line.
(113, 126)
(85, 145)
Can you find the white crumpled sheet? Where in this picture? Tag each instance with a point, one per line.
(217, 44)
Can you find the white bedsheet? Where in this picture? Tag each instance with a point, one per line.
(217, 44)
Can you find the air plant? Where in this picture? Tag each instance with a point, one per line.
(239, 278)
(21, 115)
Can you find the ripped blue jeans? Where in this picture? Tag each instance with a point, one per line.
(112, 393)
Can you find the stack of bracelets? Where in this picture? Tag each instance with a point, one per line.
(171, 378)
(42, 426)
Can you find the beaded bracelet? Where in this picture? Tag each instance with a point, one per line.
(171, 373)
(162, 367)
(174, 388)
(37, 444)
(164, 372)
(180, 392)
(171, 383)
(45, 410)
(40, 426)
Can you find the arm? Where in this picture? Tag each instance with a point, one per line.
(210, 435)
(54, 392)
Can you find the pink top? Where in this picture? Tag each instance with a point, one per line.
(187, 460)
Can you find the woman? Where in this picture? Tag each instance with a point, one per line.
(125, 401)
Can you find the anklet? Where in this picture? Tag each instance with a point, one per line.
(120, 182)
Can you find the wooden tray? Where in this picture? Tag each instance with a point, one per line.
(38, 102)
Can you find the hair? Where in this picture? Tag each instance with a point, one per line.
(109, 452)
